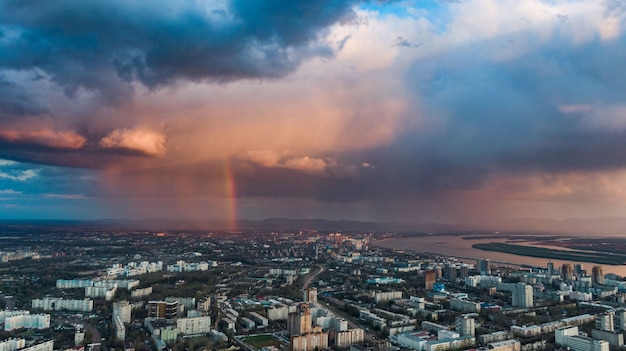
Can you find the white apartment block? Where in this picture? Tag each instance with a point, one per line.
(204, 304)
(12, 344)
(506, 345)
(27, 320)
(59, 304)
(465, 325)
(182, 266)
(568, 337)
(194, 325)
(522, 295)
(105, 292)
(332, 322)
(344, 339)
(387, 296)
(122, 309)
(134, 269)
(20, 345)
(277, 313)
(119, 283)
(73, 283)
(6, 313)
(188, 302)
(44, 346)
(120, 329)
(141, 292)
(84, 283)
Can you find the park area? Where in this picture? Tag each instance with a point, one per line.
(264, 340)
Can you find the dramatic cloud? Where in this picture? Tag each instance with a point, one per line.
(317, 166)
(449, 109)
(50, 138)
(91, 45)
(16, 101)
(138, 140)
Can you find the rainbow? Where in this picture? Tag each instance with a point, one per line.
(230, 194)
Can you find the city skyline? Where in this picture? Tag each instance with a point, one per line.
(408, 111)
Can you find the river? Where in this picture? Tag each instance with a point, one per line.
(455, 246)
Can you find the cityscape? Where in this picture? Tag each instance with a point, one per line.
(90, 287)
(311, 175)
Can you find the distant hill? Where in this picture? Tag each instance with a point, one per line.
(271, 224)
(345, 225)
(598, 226)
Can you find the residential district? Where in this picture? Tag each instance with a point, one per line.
(91, 289)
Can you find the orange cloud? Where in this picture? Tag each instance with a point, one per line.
(45, 137)
(271, 159)
(140, 140)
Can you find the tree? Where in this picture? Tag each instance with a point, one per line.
(88, 337)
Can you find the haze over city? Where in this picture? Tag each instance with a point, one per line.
(410, 111)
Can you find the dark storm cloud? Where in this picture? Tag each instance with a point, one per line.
(16, 101)
(94, 52)
(394, 179)
(80, 43)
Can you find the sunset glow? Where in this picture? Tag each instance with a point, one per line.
(416, 111)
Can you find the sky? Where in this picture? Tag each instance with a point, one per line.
(450, 111)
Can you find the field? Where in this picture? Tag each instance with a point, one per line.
(263, 340)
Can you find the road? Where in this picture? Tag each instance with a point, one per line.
(352, 323)
(309, 280)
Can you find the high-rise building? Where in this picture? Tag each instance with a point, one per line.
(430, 278)
(522, 295)
(465, 325)
(550, 270)
(597, 276)
(122, 309)
(449, 272)
(316, 339)
(309, 295)
(484, 266)
(620, 319)
(163, 309)
(120, 329)
(343, 339)
(463, 271)
(300, 322)
(567, 273)
(578, 270)
(605, 321)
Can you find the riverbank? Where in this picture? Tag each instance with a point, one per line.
(541, 252)
(453, 246)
